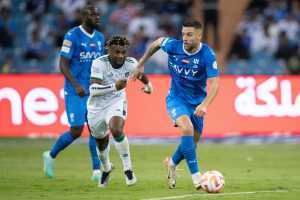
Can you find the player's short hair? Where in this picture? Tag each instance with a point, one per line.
(192, 23)
(117, 40)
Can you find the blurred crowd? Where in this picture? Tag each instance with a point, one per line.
(266, 39)
(32, 31)
(270, 29)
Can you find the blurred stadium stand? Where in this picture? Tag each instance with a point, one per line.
(265, 39)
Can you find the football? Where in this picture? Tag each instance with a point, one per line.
(213, 181)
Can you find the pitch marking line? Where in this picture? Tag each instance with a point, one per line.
(219, 194)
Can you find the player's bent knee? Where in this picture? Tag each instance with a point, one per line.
(187, 130)
(116, 131)
(76, 131)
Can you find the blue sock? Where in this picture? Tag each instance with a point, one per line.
(189, 152)
(93, 151)
(177, 156)
(62, 142)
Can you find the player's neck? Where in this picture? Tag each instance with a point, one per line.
(193, 49)
(87, 28)
(114, 64)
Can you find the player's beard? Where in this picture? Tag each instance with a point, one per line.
(188, 47)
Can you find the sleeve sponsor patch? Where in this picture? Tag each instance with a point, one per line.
(67, 43)
(65, 49)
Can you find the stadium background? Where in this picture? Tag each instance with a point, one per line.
(257, 45)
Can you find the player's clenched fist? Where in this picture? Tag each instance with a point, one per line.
(121, 84)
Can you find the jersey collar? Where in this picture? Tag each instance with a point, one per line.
(86, 33)
(190, 54)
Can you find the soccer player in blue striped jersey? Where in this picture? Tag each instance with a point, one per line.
(82, 44)
(191, 64)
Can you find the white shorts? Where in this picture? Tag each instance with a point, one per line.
(98, 121)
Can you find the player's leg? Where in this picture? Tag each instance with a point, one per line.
(95, 159)
(116, 125)
(76, 120)
(175, 109)
(116, 119)
(104, 149)
(188, 148)
(198, 127)
(98, 129)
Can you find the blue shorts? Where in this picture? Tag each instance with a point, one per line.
(176, 108)
(76, 109)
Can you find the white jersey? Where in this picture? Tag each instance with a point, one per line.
(102, 69)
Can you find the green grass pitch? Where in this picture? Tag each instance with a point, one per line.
(274, 168)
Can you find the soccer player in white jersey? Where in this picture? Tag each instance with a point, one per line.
(107, 105)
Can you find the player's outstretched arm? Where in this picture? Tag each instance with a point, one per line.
(97, 88)
(148, 88)
(212, 92)
(64, 66)
(154, 47)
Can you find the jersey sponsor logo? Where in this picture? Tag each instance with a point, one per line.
(89, 55)
(67, 43)
(92, 45)
(65, 49)
(185, 71)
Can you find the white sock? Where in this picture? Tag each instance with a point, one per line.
(171, 163)
(96, 171)
(104, 158)
(196, 177)
(123, 149)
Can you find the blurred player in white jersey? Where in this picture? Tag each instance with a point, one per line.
(107, 104)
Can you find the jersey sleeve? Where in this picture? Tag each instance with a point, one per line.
(68, 45)
(97, 69)
(168, 44)
(211, 64)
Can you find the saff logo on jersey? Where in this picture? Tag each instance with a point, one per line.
(89, 56)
